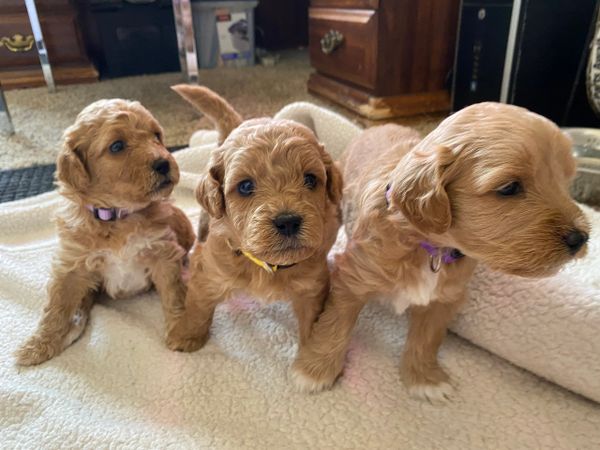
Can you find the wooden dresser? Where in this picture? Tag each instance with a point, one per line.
(383, 58)
(19, 62)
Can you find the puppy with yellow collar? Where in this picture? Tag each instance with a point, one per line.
(272, 193)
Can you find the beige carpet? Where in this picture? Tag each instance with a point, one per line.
(40, 117)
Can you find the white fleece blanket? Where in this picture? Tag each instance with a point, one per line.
(118, 386)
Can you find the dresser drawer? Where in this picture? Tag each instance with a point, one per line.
(19, 61)
(17, 46)
(355, 58)
(60, 33)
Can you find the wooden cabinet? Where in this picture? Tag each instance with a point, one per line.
(19, 62)
(383, 58)
(355, 59)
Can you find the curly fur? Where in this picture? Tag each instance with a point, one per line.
(276, 155)
(443, 190)
(119, 258)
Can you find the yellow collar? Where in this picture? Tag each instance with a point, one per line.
(271, 268)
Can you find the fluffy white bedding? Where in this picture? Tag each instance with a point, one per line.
(119, 386)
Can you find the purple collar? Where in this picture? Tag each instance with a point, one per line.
(437, 255)
(108, 214)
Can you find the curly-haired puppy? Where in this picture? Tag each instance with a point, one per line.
(118, 232)
(489, 184)
(272, 193)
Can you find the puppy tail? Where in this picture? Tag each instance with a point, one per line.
(215, 107)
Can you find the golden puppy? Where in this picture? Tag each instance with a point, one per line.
(272, 193)
(489, 184)
(118, 233)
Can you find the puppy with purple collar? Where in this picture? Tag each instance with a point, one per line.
(490, 184)
(119, 234)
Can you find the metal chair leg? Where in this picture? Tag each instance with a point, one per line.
(6, 125)
(40, 44)
(184, 26)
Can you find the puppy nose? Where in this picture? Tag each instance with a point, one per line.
(575, 240)
(288, 224)
(161, 166)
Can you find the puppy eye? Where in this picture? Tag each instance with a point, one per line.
(510, 189)
(158, 137)
(117, 146)
(245, 188)
(310, 180)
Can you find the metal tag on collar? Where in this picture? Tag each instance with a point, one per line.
(435, 262)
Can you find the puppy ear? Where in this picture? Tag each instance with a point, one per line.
(418, 189)
(568, 162)
(209, 191)
(335, 184)
(70, 168)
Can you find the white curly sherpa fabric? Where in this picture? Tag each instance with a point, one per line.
(119, 387)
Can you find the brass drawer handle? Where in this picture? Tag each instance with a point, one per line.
(331, 41)
(18, 43)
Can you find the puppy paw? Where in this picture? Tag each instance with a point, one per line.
(78, 323)
(427, 382)
(36, 350)
(311, 378)
(436, 394)
(183, 343)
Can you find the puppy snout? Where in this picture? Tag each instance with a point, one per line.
(288, 224)
(575, 239)
(161, 166)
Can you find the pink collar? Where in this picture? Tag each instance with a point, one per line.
(108, 214)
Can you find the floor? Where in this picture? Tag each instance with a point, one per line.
(40, 117)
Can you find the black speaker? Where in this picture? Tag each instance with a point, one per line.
(130, 37)
(531, 53)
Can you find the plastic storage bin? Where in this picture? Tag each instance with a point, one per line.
(224, 32)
